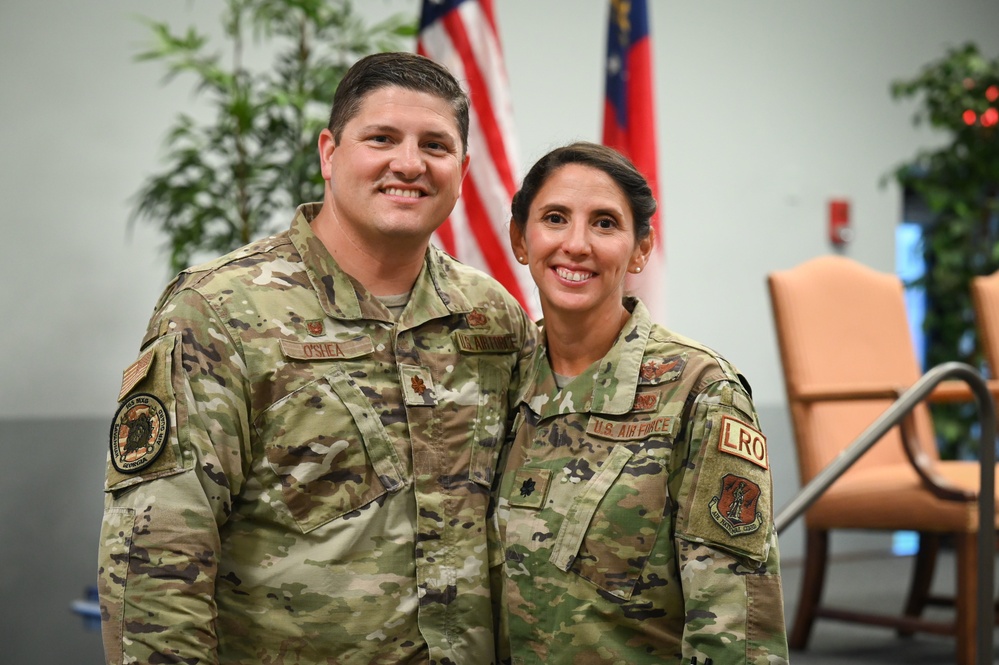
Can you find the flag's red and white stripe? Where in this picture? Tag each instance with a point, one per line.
(462, 36)
(630, 126)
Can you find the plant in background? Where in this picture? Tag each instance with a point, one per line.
(959, 183)
(236, 178)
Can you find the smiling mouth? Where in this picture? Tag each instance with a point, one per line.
(573, 275)
(405, 193)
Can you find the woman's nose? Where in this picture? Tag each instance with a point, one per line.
(576, 240)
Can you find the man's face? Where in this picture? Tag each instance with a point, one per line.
(396, 173)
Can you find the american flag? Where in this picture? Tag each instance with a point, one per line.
(630, 125)
(462, 36)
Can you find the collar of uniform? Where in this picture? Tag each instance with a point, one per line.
(606, 387)
(616, 379)
(539, 389)
(343, 297)
(336, 290)
(435, 293)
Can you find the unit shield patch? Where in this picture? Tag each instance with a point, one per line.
(735, 509)
(138, 433)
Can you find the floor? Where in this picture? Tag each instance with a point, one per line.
(875, 583)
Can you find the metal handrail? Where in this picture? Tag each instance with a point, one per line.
(986, 496)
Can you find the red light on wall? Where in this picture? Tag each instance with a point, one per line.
(990, 118)
(969, 117)
(992, 93)
(840, 232)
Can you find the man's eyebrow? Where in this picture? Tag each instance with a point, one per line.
(391, 129)
(434, 134)
(385, 129)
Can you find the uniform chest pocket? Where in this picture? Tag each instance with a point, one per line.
(489, 428)
(611, 527)
(329, 450)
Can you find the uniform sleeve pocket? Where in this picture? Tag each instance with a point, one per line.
(611, 527)
(731, 500)
(144, 438)
(115, 545)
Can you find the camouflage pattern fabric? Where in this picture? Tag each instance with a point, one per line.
(636, 512)
(295, 477)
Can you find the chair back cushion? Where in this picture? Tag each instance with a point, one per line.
(841, 325)
(985, 296)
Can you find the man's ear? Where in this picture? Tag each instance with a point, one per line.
(464, 170)
(327, 144)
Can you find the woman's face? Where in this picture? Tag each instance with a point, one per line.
(579, 242)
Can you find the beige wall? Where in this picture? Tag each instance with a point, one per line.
(766, 110)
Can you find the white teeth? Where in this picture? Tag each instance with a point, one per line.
(573, 276)
(408, 193)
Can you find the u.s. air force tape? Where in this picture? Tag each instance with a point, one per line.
(138, 433)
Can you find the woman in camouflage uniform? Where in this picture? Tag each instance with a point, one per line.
(636, 509)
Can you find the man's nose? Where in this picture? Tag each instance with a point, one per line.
(408, 160)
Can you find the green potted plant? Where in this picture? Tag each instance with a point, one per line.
(237, 177)
(959, 183)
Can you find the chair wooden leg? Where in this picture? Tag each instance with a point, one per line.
(922, 577)
(966, 551)
(813, 580)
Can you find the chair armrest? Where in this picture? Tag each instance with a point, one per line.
(945, 392)
(845, 392)
(948, 392)
(924, 465)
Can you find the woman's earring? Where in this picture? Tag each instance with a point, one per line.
(638, 269)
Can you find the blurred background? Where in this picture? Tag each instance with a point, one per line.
(766, 112)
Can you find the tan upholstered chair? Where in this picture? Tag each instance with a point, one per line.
(846, 353)
(985, 297)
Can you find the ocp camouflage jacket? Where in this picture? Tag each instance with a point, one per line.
(636, 512)
(295, 477)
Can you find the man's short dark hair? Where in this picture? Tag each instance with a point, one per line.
(405, 70)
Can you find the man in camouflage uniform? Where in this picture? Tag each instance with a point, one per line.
(301, 461)
(636, 512)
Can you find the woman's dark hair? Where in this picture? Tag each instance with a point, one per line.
(634, 185)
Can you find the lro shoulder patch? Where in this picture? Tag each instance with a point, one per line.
(138, 433)
(739, 439)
